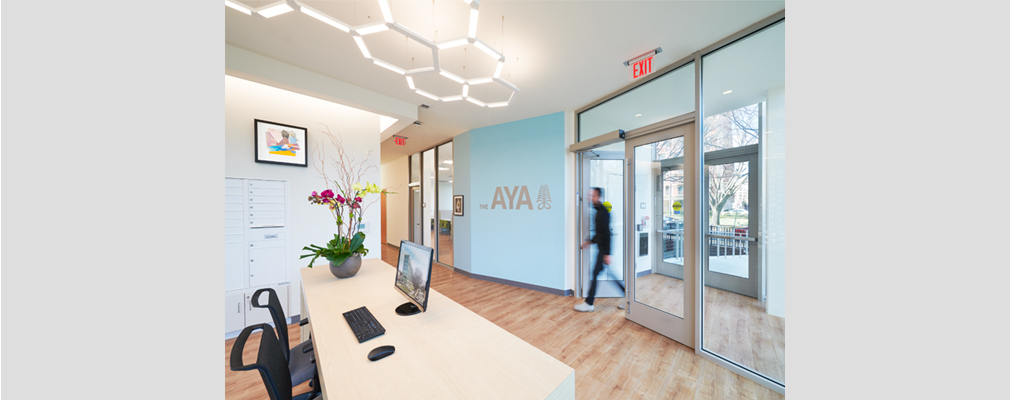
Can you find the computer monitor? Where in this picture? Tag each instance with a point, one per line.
(413, 277)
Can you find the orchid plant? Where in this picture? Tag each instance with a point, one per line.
(346, 204)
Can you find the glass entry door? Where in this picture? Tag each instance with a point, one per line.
(605, 170)
(731, 257)
(662, 231)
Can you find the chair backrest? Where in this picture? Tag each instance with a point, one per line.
(274, 305)
(270, 361)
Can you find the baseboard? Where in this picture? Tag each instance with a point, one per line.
(643, 273)
(520, 285)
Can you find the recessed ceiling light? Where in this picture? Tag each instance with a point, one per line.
(727, 92)
(447, 161)
(443, 169)
(638, 115)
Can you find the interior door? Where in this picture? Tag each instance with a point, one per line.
(731, 260)
(415, 216)
(662, 298)
(604, 169)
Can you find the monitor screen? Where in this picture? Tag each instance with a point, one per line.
(413, 272)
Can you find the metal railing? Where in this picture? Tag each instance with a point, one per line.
(722, 241)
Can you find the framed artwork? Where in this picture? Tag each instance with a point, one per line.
(457, 205)
(280, 144)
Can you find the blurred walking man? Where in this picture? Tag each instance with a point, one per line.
(602, 239)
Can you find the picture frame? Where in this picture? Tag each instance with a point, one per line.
(282, 144)
(457, 205)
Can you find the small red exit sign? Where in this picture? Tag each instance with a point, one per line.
(640, 68)
(400, 141)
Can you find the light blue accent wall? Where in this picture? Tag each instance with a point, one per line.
(520, 245)
(461, 186)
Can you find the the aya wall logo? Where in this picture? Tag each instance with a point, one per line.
(517, 197)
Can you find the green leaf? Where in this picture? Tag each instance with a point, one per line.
(356, 242)
(313, 260)
(338, 259)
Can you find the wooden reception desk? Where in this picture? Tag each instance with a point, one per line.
(447, 352)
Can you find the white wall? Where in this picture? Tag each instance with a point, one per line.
(394, 178)
(246, 101)
(775, 202)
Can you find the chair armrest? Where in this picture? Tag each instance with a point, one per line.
(303, 322)
(307, 348)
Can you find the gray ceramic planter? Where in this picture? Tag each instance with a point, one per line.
(348, 268)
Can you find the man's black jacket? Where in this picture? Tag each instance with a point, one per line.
(602, 234)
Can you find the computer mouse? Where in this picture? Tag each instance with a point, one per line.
(380, 352)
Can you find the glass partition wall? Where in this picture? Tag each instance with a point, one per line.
(444, 165)
(744, 252)
(430, 208)
(705, 236)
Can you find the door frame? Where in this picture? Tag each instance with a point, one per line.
(679, 328)
(411, 221)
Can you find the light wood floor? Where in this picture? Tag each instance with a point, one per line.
(613, 358)
(736, 326)
(444, 249)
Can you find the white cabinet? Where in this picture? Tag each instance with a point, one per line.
(240, 313)
(255, 246)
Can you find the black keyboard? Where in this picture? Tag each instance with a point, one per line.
(363, 324)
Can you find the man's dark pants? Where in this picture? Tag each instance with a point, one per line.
(596, 271)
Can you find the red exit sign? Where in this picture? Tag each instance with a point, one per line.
(400, 141)
(640, 68)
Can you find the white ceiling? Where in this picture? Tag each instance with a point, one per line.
(569, 53)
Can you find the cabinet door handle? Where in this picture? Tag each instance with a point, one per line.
(238, 308)
(251, 260)
(250, 245)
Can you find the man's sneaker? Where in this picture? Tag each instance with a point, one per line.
(583, 307)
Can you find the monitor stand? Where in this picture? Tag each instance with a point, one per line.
(407, 308)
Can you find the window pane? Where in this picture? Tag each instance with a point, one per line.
(415, 168)
(662, 98)
(744, 143)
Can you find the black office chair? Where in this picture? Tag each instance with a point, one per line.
(270, 363)
(300, 358)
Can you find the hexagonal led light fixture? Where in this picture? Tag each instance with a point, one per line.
(357, 33)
